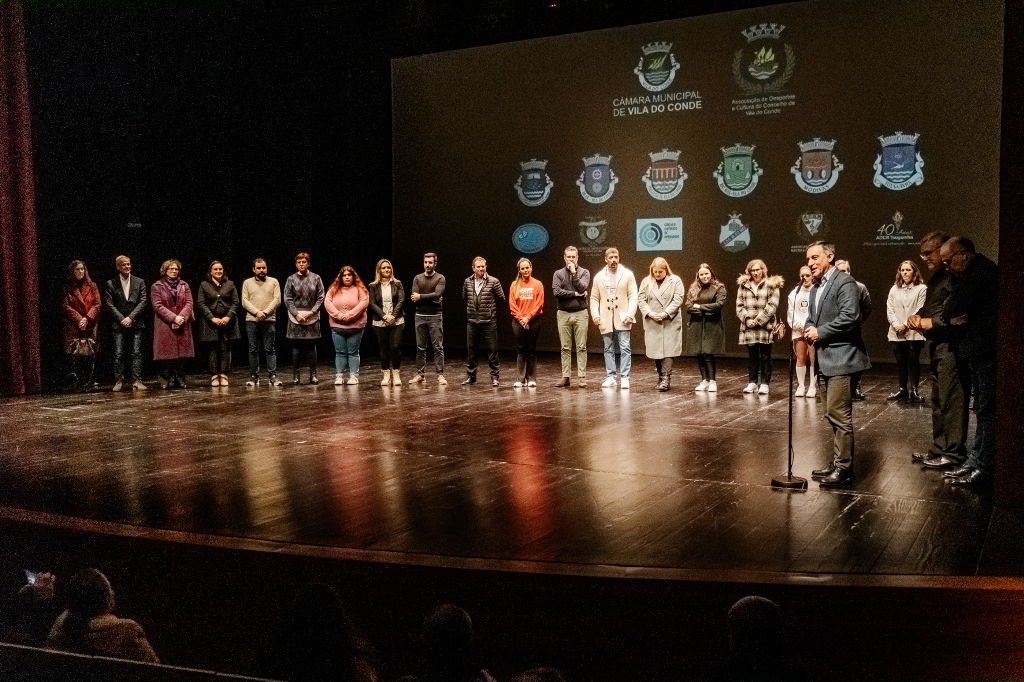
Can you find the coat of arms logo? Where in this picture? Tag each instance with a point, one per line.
(593, 231)
(817, 169)
(597, 182)
(664, 178)
(735, 236)
(900, 164)
(738, 172)
(533, 185)
(658, 66)
(811, 225)
(766, 63)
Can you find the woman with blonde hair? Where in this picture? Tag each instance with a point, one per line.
(796, 315)
(346, 301)
(387, 296)
(659, 298)
(906, 298)
(526, 302)
(705, 333)
(757, 301)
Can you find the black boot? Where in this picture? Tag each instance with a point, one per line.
(914, 396)
(295, 376)
(312, 376)
(666, 382)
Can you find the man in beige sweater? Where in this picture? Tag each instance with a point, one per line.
(261, 295)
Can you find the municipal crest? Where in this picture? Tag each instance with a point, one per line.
(900, 164)
(738, 172)
(658, 66)
(811, 226)
(593, 231)
(735, 236)
(664, 178)
(765, 64)
(533, 185)
(597, 182)
(817, 169)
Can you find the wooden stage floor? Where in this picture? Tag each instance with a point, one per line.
(590, 481)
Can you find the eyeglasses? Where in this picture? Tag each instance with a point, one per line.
(925, 255)
(947, 261)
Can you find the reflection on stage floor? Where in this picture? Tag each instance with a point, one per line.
(587, 477)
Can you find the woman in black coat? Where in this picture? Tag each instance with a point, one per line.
(217, 302)
(387, 296)
(705, 335)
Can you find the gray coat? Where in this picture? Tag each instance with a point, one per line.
(705, 333)
(839, 349)
(664, 338)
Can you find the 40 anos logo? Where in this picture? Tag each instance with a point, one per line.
(657, 68)
(765, 64)
(735, 236)
(738, 172)
(900, 164)
(533, 185)
(597, 182)
(817, 169)
(530, 238)
(664, 178)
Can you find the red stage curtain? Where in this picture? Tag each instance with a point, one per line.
(19, 267)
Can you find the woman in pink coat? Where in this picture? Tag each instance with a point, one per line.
(171, 298)
(346, 302)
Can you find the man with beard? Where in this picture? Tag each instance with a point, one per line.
(261, 295)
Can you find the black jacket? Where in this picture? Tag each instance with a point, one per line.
(397, 301)
(482, 308)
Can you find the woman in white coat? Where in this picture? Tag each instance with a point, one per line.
(659, 298)
(905, 299)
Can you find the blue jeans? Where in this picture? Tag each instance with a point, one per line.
(618, 339)
(267, 330)
(122, 337)
(429, 328)
(983, 381)
(346, 350)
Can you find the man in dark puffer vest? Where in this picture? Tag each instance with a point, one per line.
(481, 292)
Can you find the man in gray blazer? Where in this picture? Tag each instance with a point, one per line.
(833, 329)
(126, 299)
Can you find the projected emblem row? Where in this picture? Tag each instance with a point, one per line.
(898, 166)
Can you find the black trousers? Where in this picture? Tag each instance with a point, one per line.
(706, 363)
(526, 349)
(219, 356)
(390, 341)
(482, 336)
(759, 363)
(908, 361)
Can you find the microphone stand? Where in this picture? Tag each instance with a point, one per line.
(788, 480)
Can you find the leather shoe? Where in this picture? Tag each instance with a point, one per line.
(940, 462)
(958, 472)
(494, 382)
(915, 397)
(898, 395)
(973, 477)
(824, 471)
(469, 380)
(921, 456)
(836, 478)
(563, 382)
(859, 394)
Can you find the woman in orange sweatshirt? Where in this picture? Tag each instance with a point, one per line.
(526, 301)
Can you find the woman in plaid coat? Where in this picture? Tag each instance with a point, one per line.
(757, 300)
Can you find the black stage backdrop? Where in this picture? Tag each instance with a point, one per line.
(894, 108)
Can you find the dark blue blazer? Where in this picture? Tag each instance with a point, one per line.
(840, 348)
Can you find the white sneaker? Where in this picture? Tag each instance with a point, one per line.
(712, 386)
(532, 384)
(763, 390)
(386, 380)
(608, 383)
(417, 379)
(751, 388)
(624, 384)
(518, 384)
(395, 378)
(812, 391)
(353, 380)
(799, 392)
(702, 386)
(441, 381)
(339, 380)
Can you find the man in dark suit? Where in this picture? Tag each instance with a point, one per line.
(126, 299)
(833, 330)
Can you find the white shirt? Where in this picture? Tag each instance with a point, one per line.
(126, 285)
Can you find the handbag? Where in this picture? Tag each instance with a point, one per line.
(83, 348)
